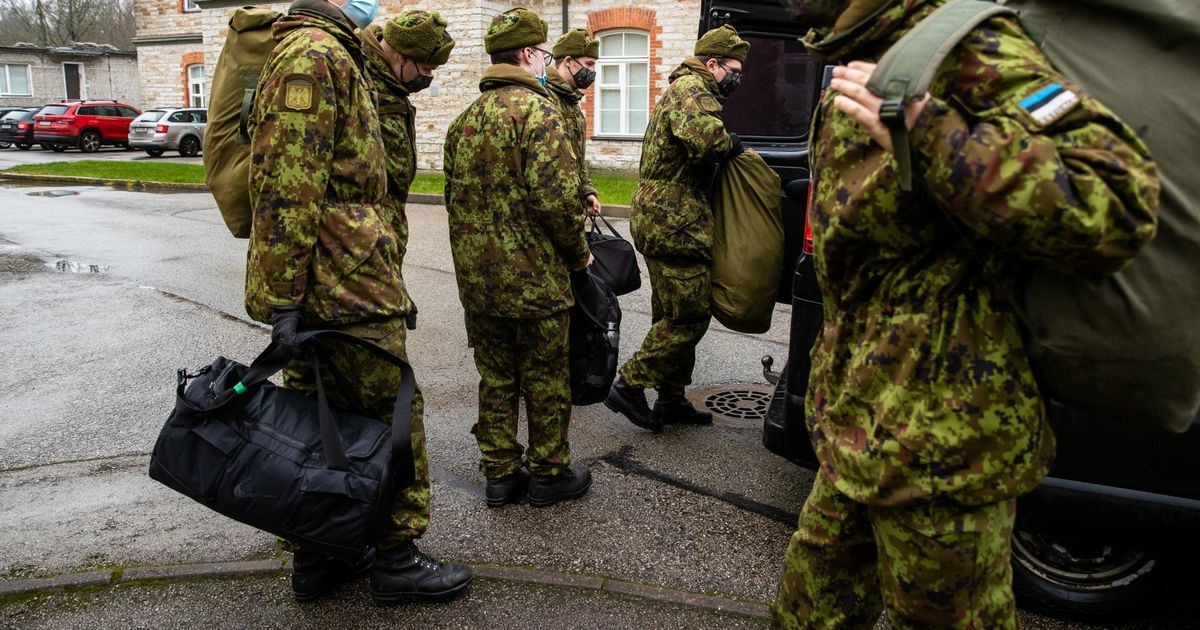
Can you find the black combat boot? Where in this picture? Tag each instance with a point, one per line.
(314, 574)
(403, 573)
(675, 409)
(571, 483)
(631, 401)
(510, 488)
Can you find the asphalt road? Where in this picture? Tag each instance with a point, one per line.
(117, 290)
(13, 156)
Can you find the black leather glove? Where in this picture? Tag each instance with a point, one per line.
(738, 149)
(285, 323)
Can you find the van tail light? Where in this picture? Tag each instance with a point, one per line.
(161, 128)
(808, 241)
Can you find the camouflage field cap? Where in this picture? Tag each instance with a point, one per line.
(515, 28)
(576, 43)
(722, 42)
(420, 36)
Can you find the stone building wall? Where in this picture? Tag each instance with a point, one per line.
(107, 76)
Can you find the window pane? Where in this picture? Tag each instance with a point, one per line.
(611, 46)
(637, 122)
(639, 74)
(196, 72)
(4, 79)
(636, 45)
(19, 78)
(635, 98)
(610, 99)
(610, 75)
(610, 122)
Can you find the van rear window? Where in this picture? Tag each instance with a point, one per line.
(779, 85)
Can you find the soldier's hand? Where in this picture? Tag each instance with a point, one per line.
(738, 149)
(591, 205)
(858, 102)
(285, 323)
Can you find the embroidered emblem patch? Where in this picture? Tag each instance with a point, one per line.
(298, 95)
(1049, 103)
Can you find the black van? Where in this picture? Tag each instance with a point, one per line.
(1119, 505)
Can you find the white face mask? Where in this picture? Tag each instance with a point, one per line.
(361, 12)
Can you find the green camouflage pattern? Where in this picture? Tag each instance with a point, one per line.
(679, 311)
(929, 566)
(522, 358)
(374, 383)
(670, 217)
(921, 388)
(317, 180)
(574, 124)
(397, 124)
(512, 184)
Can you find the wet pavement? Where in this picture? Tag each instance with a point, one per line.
(104, 294)
(13, 156)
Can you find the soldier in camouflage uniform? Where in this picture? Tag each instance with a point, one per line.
(922, 406)
(575, 55)
(672, 225)
(324, 254)
(516, 234)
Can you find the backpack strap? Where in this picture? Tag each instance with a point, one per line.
(249, 89)
(906, 70)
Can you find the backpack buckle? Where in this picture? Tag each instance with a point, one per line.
(891, 112)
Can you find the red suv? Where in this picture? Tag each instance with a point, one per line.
(84, 124)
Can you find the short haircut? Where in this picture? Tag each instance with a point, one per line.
(511, 57)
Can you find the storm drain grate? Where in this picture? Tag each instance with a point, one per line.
(738, 405)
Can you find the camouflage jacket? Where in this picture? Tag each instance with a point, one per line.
(511, 184)
(670, 217)
(921, 388)
(317, 181)
(568, 99)
(397, 124)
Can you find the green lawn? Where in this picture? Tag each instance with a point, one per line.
(104, 169)
(613, 189)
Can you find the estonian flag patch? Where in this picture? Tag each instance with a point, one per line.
(1049, 103)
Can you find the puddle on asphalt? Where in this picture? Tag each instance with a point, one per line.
(53, 193)
(68, 266)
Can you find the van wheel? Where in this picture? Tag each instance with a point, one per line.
(189, 146)
(24, 146)
(1086, 580)
(89, 142)
(154, 152)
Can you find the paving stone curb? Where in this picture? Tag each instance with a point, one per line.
(621, 212)
(277, 566)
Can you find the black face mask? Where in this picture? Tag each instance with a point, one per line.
(584, 77)
(730, 83)
(417, 83)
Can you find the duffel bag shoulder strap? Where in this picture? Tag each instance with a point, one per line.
(907, 69)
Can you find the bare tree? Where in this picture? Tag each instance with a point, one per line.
(64, 22)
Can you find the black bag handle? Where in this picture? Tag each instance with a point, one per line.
(596, 228)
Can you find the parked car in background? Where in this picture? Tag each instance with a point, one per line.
(87, 125)
(16, 127)
(159, 130)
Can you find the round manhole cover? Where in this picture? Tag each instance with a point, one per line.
(738, 405)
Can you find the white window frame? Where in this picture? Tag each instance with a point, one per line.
(622, 63)
(195, 86)
(82, 79)
(190, 6)
(8, 79)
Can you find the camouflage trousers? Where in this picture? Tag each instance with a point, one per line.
(679, 310)
(375, 383)
(930, 565)
(522, 358)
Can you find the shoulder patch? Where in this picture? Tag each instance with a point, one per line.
(709, 103)
(1049, 104)
(298, 93)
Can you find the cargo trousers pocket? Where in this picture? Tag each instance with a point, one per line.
(686, 292)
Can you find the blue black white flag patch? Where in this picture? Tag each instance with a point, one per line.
(1049, 103)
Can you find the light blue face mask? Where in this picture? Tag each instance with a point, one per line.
(361, 12)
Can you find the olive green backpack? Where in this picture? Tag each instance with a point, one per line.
(1125, 348)
(226, 139)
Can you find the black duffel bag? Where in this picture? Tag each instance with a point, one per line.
(615, 263)
(595, 334)
(282, 461)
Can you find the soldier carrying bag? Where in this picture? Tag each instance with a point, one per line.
(1126, 347)
(226, 136)
(282, 461)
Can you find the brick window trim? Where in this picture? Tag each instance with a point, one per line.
(188, 59)
(626, 18)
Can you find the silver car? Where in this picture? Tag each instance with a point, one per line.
(159, 130)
